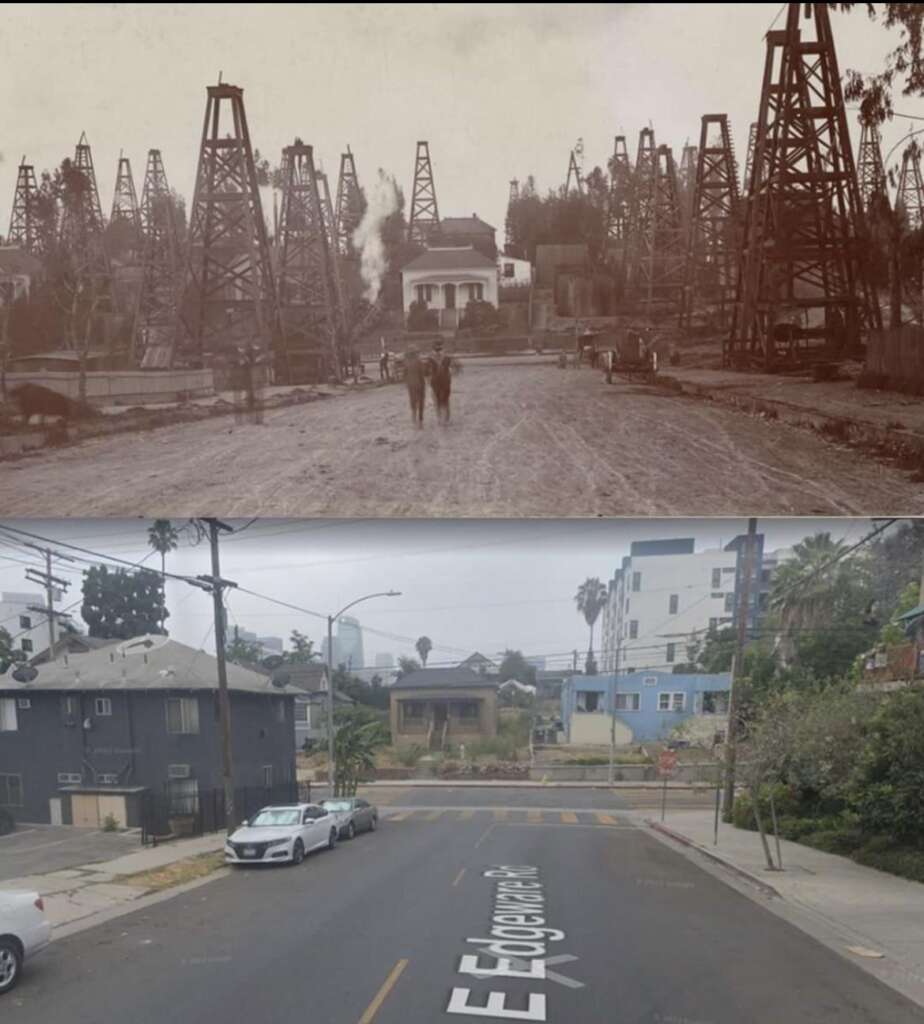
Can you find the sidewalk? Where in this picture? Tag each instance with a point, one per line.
(75, 894)
(855, 910)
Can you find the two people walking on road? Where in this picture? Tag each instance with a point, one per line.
(438, 367)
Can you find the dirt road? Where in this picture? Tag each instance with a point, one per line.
(527, 440)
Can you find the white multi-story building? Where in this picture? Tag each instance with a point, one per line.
(666, 596)
(22, 617)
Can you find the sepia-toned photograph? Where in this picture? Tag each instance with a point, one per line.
(461, 529)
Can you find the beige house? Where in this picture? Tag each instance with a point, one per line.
(435, 707)
(447, 280)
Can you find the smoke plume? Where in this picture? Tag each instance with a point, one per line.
(382, 200)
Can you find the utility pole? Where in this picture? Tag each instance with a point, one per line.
(49, 582)
(330, 704)
(218, 586)
(612, 771)
(731, 738)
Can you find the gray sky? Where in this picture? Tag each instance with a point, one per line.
(468, 585)
(499, 90)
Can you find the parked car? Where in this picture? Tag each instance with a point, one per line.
(282, 835)
(353, 815)
(24, 931)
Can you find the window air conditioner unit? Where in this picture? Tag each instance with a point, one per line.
(178, 771)
(70, 721)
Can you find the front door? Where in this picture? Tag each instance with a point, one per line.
(439, 723)
(449, 296)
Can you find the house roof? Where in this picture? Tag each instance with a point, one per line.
(476, 659)
(14, 260)
(456, 258)
(444, 679)
(73, 643)
(465, 226)
(310, 677)
(143, 663)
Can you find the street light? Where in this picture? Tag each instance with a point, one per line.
(331, 619)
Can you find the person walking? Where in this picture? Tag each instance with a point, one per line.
(441, 381)
(414, 378)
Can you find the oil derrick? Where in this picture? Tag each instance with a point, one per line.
(749, 161)
(617, 221)
(574, 173)
(349, 210)
(640, 205)
(82, 229)
(125, 199)
(803, 288)
(870, 167)
(330, 230)
(910, 198)
(712, 251)
(686, 180)
(513, 196)
(305, 280)
(229, 299)
(661, 244)
(156, 313)
(24, 228)
(424, 222)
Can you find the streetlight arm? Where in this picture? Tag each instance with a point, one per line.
(359, 600)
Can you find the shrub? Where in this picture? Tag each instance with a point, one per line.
(110, 823)
(409, 756)
(897, 860)
(842, 841)
(421, 318)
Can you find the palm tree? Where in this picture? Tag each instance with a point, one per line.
(163, 537)
(424, 645)
(591, 600)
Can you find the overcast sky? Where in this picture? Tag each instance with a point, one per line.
(468, 585)
(499, 90)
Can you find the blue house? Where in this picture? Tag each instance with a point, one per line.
(649, 707)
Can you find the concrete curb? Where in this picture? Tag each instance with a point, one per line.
(716, 858)
(505, 784)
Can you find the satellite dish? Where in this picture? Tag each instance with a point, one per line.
(273, 661)
(142, 645)
(25, 673)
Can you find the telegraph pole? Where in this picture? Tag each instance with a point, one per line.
(49, 582)
(612, 770)
(731, 738)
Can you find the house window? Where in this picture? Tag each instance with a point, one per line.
(475, 292)
(8, 721)
(27, 645)
(413, 710)
(182, 715)
(10, 791)
(589, 700)
(628, 701)
(280, 711)
(673, 604)
(633, 629)
(671, 653)
(671, 701)
(509, 270)
(636, 581)
(468, 709)
(25, 622)
(301, 711)
(183, 795)
(715, 702)
(267, 775)
(102, 706)
(69, 778)
(424, 293)
(716, 579)
(729, 602)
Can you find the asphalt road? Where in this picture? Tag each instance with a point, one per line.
(375, 930)
(525, 440)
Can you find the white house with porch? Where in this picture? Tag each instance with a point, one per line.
(447, 280)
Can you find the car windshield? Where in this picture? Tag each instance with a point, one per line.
(338, 805)
(275, 816)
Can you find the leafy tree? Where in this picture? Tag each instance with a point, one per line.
(423, 647)
(406, 666)
(514, 666)
(359, 733)
(9, 655)
(163, 538)
(591, 600)
(241, 651)
(359, 690)
(303, 652)
(559, 219)
(119, 605)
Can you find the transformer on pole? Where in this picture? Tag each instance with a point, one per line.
(229, 300)
(24, 228)
(155, 316)
(712, 242)
(803, 291)
(424, 222)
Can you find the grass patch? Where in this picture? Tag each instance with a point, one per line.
(177, 873)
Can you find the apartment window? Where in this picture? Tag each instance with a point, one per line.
(107, 779)
(716, 579)
(25, 622)
(729, 602)
(267, 775)
(183, 795)
(69, 778)
(10, 791)
(636, 581)
(763, 602)
(589, 700)
(27, 645)
(673, 604)
(8, 721)
(102, 706)
(69, 710)
(671, 701)
(628, 701)
(671, 653)
(633, 629)
(182, 715)
(509, 270)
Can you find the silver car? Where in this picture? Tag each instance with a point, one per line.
(353, 815)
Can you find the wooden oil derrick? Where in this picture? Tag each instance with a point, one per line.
(910, 197)
(349, 211)
(871, 172)
(341, 315)
(155, 316)
(686, 180)
(712, 240)
(617, 221)
(229, 299)
(574, 175)
(305, 278)
(640, 203)
(125, 199)
(803, 292)
(662, 252)
(749, 160)
(24, 227)
(424, 222)
(513, 197)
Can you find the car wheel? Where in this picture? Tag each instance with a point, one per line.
(374, 823)
(298, 852)
(10, 964)
(332, 839)
(351, 831)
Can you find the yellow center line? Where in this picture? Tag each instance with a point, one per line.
(373, 1008)
(466, 815)
(568, 818)
(605, 819)
(459, 877)
(398, 817)
(534, 816)
(432, 815)
(500, 815)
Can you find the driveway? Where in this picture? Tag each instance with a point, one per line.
(38, 849)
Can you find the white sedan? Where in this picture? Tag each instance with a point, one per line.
(282, 835)
(24, 931)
